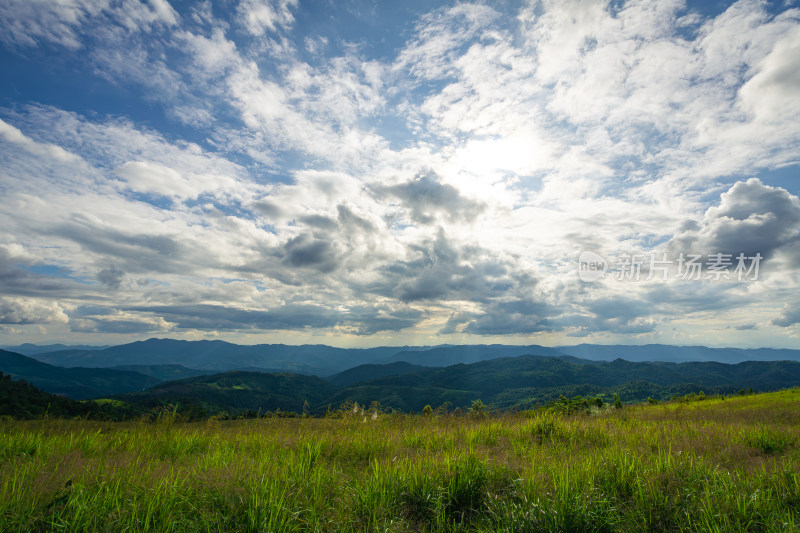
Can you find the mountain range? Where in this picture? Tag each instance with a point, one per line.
(518, 380)
(321, 360)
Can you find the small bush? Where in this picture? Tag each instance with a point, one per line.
(767, 440)
(478, 408)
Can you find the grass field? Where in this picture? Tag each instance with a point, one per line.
(714, 465)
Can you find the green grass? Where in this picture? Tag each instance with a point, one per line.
(715, 465)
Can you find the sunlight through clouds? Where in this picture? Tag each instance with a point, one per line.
(376, 174)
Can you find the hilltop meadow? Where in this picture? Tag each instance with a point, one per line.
(700, 464)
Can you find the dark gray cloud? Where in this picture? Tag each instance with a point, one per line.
(139, 252)
(441, 270)
(426, 197)
(218, 317)
(789, 317)
(267, 208)
(361, 320)
(526, 315)
(18, 281)
(751, 218)
(111, 277)
(351, 221)
(367, 320)
(511, 317)
(319, 222)
(621, 315)
(307, 251)
(694, 296)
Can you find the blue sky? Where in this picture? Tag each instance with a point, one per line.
(367, 173)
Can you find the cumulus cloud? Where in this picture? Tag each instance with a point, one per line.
(31, 311)
(308, 251)
(750, 218)
(427, 198)
(287, 205)
(438, 269)
(513, 317)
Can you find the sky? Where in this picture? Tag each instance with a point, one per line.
(359, 173)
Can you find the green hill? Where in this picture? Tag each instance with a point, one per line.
(506, 382)
(237, 392)
(164, 372)
(528, 380)
(75, 383)
(370, 372)
(22, 400)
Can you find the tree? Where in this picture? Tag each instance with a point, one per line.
(478, 408)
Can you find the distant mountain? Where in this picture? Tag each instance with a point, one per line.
(221, 356)
(34, 349)
(452, 355)
(323, 360)
(678, 354)
(465, 354)
(527, 380)
(238, 391)
(76, 383)
(370, 372)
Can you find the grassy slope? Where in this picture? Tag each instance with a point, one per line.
(731, 465)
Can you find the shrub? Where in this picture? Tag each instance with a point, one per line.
(768, 440)
(478, 408)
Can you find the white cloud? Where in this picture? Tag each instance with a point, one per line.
(260, 16)
(31, 311)
(13, 135)
(771, 94)
(416, 183)
(27, 22)
(751, 218)
(63, 22)
(145, 177)
(120, 322)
